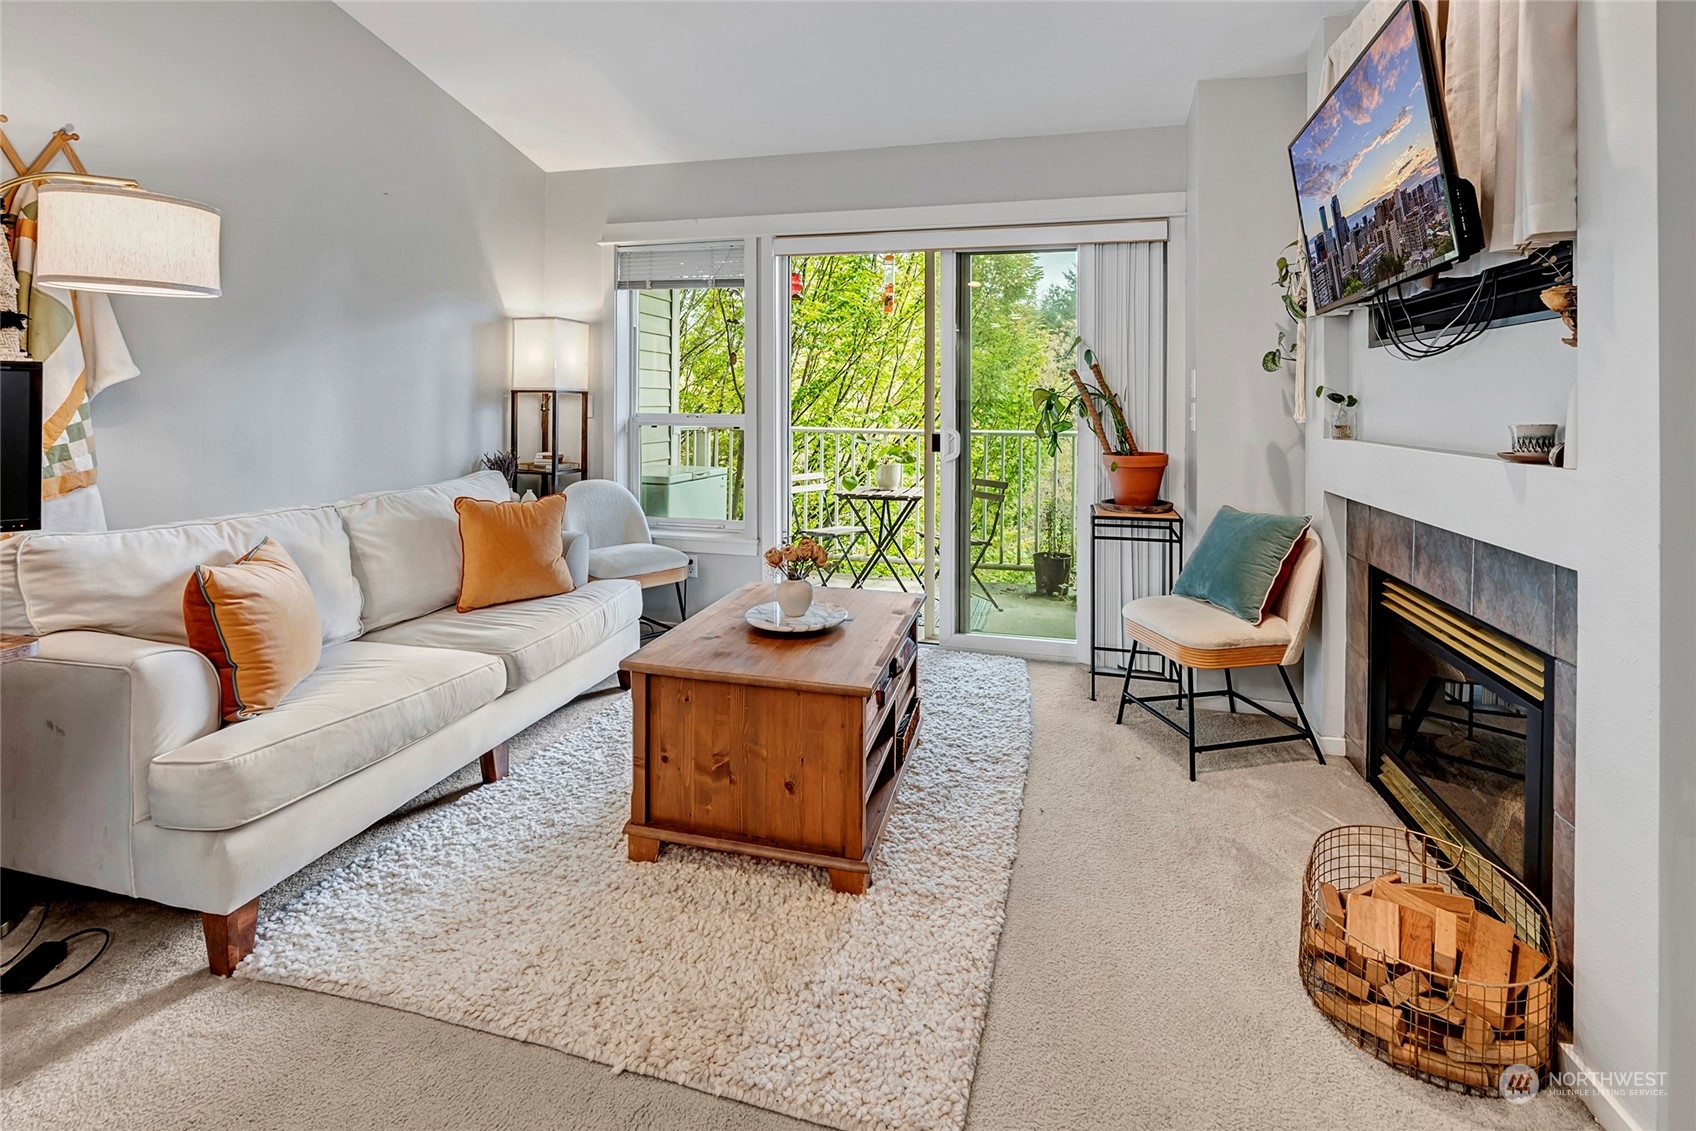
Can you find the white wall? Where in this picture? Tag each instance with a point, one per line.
(1245, 450)
(1604, 519)
(581, 204)
(376, 234)
(1675, 41)
(1512, 375)
(1248, 449)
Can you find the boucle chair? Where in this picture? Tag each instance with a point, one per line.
(1195, 635)
(620, 544)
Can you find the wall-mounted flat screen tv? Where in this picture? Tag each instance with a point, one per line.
(20, 445)
(1374, 174)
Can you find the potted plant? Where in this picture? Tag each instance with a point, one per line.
(894, 459)
(1054, 560)
(1341, 424)
(793, 566)
(1135, 474)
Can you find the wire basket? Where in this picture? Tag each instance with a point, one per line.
(1428, 956)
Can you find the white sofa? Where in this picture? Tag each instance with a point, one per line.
(117, 772)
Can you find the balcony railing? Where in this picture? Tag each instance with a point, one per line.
(1036, 514)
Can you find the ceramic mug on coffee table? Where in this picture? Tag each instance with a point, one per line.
(1532, 439)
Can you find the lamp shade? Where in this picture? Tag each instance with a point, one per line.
(125, 241)
(550, 353)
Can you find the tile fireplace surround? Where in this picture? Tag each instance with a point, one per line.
(1526, 598)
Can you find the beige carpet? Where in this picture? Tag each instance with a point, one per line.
(1146, 978)
(515, 911)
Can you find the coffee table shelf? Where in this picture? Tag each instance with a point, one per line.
(786, 747)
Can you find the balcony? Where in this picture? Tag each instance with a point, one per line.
(1035, 515)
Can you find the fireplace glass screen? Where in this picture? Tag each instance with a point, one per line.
(1463, 742)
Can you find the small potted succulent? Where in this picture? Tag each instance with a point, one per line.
(793, 566)
(1341, 424)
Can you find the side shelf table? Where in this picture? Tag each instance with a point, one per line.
(1110, 528)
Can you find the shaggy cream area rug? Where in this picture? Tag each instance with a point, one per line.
(515, 911)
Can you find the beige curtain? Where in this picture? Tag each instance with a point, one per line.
(1509, 75)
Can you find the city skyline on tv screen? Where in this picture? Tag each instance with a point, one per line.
(1374, 199)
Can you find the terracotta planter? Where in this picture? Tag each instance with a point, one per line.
(1136, 479)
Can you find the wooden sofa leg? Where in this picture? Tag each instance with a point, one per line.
(229, 938)
(494, 763)
(623, 679)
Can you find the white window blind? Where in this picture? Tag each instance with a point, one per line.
(661, 267)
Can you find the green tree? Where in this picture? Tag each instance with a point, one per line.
(711, 359)
(855, 365)
(1389, 265)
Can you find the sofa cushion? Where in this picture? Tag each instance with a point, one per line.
(13, 622)
(406, 545)
(1191, 623)
(130, 582)
(363, 703)
(531, 638)
(635, 559)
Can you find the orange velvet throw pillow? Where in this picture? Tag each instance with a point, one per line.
(256, 620)
(511, 551)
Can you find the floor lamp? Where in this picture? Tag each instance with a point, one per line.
(96, 233)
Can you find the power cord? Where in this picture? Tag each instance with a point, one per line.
(1468, 324)
(28, 966)
(46, 907)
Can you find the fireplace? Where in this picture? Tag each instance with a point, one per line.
(1462, 692)
(1461, 740)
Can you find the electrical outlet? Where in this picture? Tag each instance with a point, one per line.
(694, 566)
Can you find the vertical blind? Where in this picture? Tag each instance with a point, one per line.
(1122, 316)
(670, 267)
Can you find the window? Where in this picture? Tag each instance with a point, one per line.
(681, 309)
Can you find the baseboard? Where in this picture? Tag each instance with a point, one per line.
(1332, 747)
(1602, 1105)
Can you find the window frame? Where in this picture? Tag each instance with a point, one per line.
(730, 532)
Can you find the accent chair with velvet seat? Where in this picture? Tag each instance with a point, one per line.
(1194, 634)
(620, 544)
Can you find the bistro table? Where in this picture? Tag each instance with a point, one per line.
(883, 512)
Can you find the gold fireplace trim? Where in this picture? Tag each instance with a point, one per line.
(1507, 658)
(1491, 884)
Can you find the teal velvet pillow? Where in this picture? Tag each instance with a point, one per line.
(1238, 560)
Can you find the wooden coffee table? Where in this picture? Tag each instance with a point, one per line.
(787, 747)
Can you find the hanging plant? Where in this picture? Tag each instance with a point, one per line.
(1292, 286)
(1273, 360)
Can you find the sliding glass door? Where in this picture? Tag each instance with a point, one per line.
(910, 441)
(1009, 527)
(862, 411)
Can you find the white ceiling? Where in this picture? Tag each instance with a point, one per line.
(595, 84)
